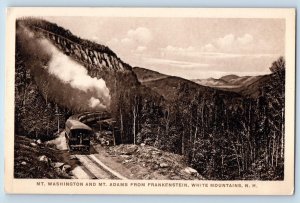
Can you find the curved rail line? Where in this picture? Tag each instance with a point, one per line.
(88, 117)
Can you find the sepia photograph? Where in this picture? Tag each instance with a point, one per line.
(150, 101)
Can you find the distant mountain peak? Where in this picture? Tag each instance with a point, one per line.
(227, 78)
(234, 83)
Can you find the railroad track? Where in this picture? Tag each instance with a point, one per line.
(96, 169)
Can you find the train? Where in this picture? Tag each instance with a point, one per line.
(77, 131)
(78, 135)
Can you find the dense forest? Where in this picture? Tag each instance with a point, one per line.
(224, 135)
(36, 114)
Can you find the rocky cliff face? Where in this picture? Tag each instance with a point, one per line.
(99, 60)
(126, 92)
(99, 63)
(91, 58)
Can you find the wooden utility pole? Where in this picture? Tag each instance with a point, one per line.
(57, 114)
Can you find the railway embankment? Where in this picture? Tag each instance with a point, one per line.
(34, 159)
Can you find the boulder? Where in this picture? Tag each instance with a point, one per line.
(66, 168)
(156, 153)
(72, 157)
(125, 156)
(23, 163)
(43, 158)
(175, 177)
(102, 141)
(126, 161)
(33, 144)
(164, 165)
(191, 171)
(57, 164)
(39, 141)
(155, 167)
(129, 150)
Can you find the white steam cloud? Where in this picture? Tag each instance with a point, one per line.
(77, 76)
(93, 102)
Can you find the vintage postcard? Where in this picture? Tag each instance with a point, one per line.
(182, 101)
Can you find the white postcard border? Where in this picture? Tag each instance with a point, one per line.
(40, 186)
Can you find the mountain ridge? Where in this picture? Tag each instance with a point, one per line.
(244, 85)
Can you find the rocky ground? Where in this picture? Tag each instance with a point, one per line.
(33, 159)
(147, 162)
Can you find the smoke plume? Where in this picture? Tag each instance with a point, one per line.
(76, 75)
(60, 78)
(94, 102)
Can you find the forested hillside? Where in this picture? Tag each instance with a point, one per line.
(35, 114)
(226, 135)
(223, 134)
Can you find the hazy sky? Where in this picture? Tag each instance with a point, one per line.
(187, 47)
